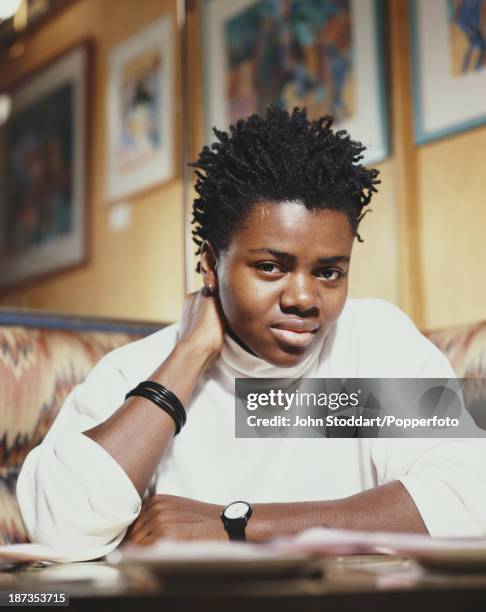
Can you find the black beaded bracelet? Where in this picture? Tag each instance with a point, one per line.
(163, 398)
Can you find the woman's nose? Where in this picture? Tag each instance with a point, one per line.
(300, 292)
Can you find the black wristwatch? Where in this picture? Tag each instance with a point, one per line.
(235, 518)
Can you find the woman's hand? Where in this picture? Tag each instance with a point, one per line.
(202, 323)
(179, 518)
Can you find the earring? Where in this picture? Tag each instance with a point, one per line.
(208, 290)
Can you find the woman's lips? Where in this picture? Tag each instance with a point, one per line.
(293, 338)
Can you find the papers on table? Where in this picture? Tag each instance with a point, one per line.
(321, 541)
(170, 557)
(451, 554)
(214, 558)
(317, 542)
(20, 553)
(197, 550)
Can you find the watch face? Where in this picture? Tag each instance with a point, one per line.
(236, 510)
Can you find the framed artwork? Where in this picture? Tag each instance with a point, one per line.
(140, 121)
(449, 66)
(326, 55)
(43, 197)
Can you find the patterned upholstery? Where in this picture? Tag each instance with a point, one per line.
(38, 367)
(465, 346)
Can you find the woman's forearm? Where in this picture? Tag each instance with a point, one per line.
(388, 507)
(138, 433)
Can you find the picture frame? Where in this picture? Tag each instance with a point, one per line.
(43, 152)
(326, 63)
(140, 111)
(448, 73)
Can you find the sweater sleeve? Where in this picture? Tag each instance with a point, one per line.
(73, 496)
(446, 477)
(447, 482)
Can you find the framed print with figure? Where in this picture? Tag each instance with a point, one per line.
(326, 55)
(43, 192)
(140, 122)
(449, 66)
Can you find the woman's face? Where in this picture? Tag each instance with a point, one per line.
(283, 280)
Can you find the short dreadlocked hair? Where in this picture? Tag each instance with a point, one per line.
(277, 157)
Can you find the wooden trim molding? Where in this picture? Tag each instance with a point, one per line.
(411, 290)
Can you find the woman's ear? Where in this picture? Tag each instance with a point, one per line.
(208, 265)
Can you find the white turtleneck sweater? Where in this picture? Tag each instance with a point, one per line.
(75, 498)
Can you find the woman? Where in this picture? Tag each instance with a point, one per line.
(280, 201)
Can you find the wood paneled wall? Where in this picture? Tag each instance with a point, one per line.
(134, 273)
(424, 243)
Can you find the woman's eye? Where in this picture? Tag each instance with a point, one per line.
(331, 275)
(268, 267)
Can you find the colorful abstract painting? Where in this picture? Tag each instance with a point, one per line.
(290, 52)
(467, 35)
(325, 55)
(39, 174)
(140, 109)
(139, 113)
(43, 180)
(448, 43)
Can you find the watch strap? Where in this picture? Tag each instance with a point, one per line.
(236, 529)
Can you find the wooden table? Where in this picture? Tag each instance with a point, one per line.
(377, 583)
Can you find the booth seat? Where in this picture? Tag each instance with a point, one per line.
(465, 347)
(43, 356)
